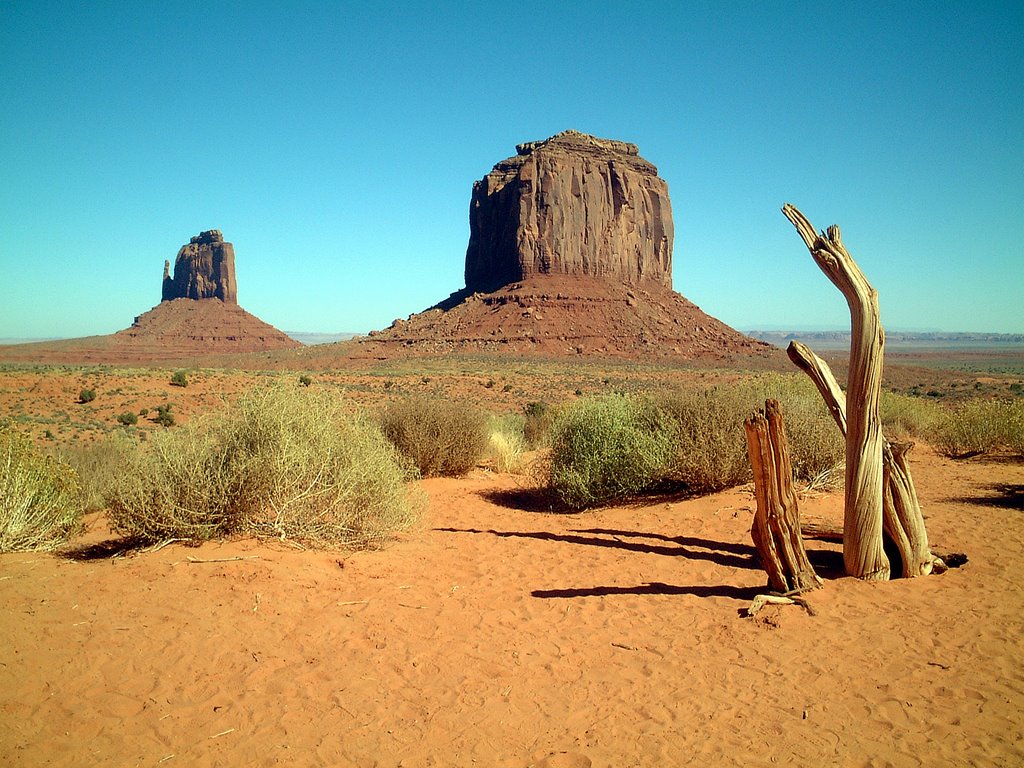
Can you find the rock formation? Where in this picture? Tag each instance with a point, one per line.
(204, 269)
(570, 253)
(572, 205)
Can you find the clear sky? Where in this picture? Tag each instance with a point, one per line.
(336, 145)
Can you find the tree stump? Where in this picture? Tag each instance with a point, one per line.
(776, 527)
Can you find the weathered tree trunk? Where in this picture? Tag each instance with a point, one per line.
(863, 554)
(776, 527)
(902, 520)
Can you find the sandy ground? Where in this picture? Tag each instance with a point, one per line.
(496, 636)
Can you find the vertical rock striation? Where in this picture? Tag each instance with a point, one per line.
(570, 205)
(204, 269)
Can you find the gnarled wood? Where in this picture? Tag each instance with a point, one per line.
(776, 527)
(863, 555)
(902, 520)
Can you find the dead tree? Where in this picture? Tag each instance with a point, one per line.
(902, 520)
(776, 528)
(872, 468)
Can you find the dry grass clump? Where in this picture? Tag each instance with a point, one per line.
(440, 437)
(981, 426)
(507, 450)
(40, 508)
(284, 463)
(608, 448)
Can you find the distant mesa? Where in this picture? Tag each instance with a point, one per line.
(198, 315)
(570, 252)
(204, 269)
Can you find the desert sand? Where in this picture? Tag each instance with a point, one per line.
(498, 635)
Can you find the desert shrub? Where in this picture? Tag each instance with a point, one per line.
(817, 447)
(710, 449)
(906, 416)
(537, 427)
(305, 380)
(439, 437)
(280, 463)
(87, 395)
(507, 442)
(39, 503)
(981, 426)
(304, 469)
(164, 417)
(179, 379)
(127, 419)
(608, 448)
(98, 466)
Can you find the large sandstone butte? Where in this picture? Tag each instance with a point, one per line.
(204, 269)
(198, 315)
(570, 205)
(570, 252)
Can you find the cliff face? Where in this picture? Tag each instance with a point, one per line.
(570, 205)
(204, 269)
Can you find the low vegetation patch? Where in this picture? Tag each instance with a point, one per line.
(439, 437)
(40, 507)
(608, 448)
(507, 449)
(981, 426)
(99, 466)
(285, 463)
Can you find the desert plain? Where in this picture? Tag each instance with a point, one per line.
(497, 632)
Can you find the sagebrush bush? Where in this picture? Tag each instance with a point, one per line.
(306, 470)
(40, 507)
(710, 448)
(608, 448)
(179, 379)
(981, 426)
(283, 462)
(178, 488)
(440, 437)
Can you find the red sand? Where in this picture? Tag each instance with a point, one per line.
(494, 636)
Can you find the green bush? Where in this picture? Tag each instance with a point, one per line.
(127, 419)
(609, 448)
(164, 417)
(179, 379)
(305, 380)
(87, 395)
(439, 437)
(281, 463)
(39, 503)
(981, 426)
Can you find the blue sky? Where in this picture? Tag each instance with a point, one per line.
(336, 144)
